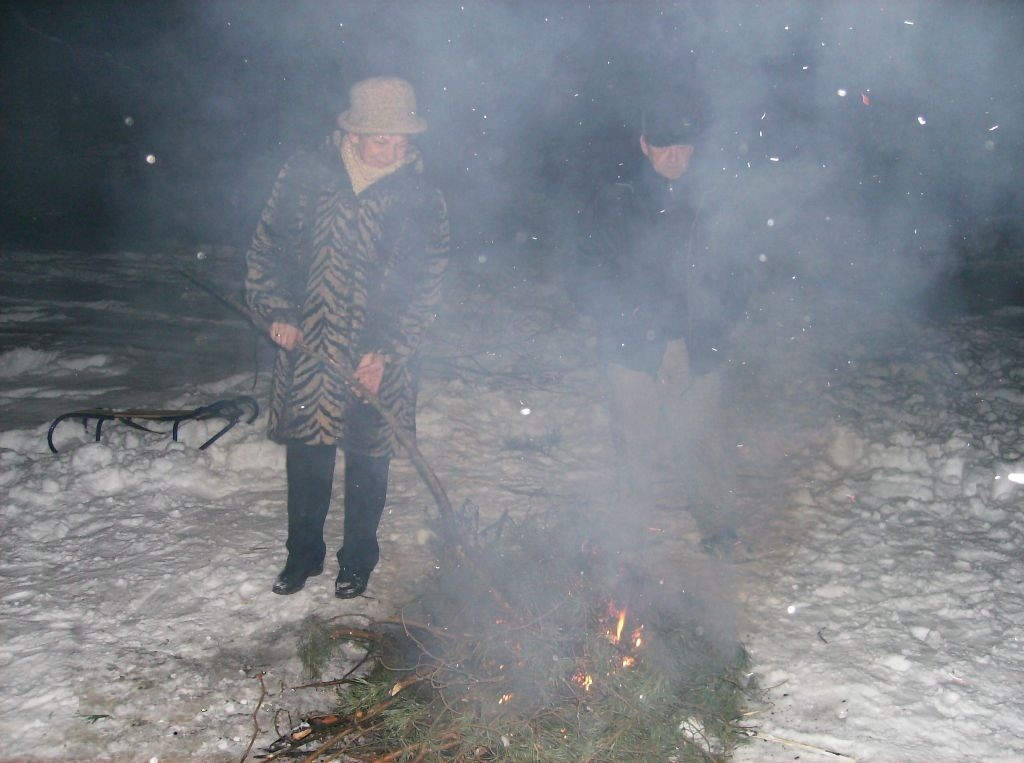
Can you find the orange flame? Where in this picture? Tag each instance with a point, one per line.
(619, 626)
(583, 679)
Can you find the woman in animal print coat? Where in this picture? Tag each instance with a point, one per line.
(347, 259)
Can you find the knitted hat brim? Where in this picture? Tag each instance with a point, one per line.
(408, 124)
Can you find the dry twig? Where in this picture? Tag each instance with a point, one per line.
(371, 713)
(802, 746)
(255, 720)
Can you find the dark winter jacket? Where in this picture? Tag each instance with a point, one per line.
(646, 277)
(356, 275)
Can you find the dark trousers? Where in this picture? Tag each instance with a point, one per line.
(310, 480)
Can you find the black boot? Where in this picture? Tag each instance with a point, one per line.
(293, 578)
(724, 544)
(366, 486)
(351, 582)
(310, 478)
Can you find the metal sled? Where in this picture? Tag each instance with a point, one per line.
(231, 410)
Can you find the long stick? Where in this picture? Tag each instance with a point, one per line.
(444, 504)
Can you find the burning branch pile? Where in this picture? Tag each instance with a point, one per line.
(540, 649)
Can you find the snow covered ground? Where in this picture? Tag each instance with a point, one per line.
(882, 599)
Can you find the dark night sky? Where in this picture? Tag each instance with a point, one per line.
(220, 93)
(893, 127)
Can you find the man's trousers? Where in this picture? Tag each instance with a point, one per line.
(667, 438)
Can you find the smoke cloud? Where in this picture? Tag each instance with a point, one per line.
(853, 127)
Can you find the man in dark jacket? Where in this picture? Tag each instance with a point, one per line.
(347, 259)
(661, 304)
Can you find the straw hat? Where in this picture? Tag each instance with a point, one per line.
(382, 106)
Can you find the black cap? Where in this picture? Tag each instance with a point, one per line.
(670, 123)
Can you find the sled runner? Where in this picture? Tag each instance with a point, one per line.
(230, 410)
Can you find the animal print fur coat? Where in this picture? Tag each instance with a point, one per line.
(356, 274)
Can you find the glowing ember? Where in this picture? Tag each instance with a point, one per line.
(505, 698)
(628, 661)
(583, 679)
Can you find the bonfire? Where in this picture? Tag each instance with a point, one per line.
(537, 645)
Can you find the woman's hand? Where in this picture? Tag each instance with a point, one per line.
(370, 371)
(285, 335)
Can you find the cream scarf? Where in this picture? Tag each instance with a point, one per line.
(362, 174)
